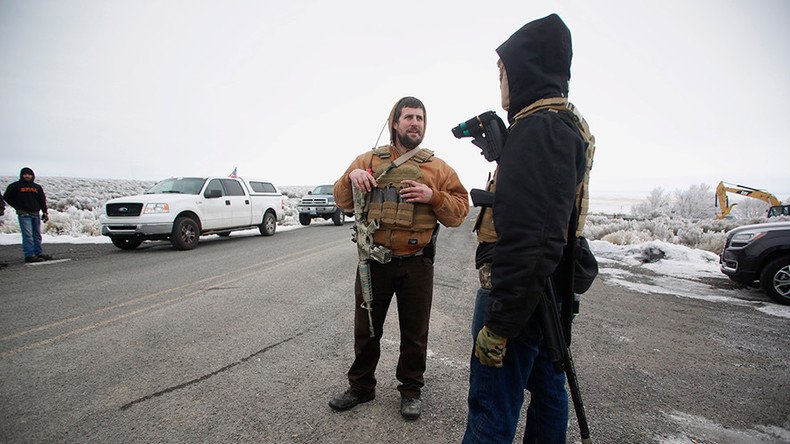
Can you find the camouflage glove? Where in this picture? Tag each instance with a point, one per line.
(44, 217)
(490, 348)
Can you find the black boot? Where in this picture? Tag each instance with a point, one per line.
(349, 399)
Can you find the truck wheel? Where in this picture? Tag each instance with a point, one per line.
(775, 280)
(186, 234)
(269, 225)
(304, 219)
(338, 218)
(126, 243)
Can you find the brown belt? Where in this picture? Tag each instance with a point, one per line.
(485, 275)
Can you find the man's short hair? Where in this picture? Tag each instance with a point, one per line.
(407, 102)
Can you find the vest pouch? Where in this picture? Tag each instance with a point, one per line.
(375, 205)
(404, 217)
(390, 206)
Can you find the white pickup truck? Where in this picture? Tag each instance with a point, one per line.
(182, 209)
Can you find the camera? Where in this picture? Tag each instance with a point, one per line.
(487, 131)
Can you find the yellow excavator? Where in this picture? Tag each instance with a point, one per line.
(724, 203)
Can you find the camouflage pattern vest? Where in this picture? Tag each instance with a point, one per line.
(485, 219)
(384, 202)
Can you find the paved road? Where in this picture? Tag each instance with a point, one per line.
(244, 339)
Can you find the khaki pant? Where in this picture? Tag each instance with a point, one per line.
(411, 281)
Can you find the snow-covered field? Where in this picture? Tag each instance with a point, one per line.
(670, 255)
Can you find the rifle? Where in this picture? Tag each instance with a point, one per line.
(367, 250)
(560, 354)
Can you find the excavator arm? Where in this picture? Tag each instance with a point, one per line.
(724, 203)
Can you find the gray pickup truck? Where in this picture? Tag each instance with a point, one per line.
(320, 203)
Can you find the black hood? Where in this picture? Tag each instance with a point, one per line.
(28, 171)
(537, 61)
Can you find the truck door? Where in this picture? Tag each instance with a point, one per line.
(216, 211)
(240, 207)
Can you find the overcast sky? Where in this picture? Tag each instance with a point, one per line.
(676, 92)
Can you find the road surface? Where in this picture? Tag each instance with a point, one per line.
(245, 338)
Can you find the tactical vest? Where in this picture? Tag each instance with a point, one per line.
(485, 219)
(384, 201)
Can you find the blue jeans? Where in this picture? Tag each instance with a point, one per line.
(496, 394)
(30, 225)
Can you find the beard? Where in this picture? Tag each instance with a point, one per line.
(407, 142)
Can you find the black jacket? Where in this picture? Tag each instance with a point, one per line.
(540, 166)
(26, 197)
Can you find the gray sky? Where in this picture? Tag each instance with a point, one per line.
(676, 92)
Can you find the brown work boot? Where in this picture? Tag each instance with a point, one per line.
(30, 259)
(46, 257)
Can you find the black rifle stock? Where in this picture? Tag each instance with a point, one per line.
(482, 198)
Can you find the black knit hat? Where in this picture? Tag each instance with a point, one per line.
(26, 170)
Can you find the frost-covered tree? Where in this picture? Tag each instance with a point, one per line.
(657, 203)
(694, 203)
(750, 208)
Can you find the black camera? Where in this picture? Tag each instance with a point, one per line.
(488, 133)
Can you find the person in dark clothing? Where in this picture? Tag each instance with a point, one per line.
(28, 199)
(2, 213)
(521, 241)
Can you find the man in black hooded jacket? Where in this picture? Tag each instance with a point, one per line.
(27, 198)
(521, 242)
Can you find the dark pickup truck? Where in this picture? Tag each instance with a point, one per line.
(320, 203)
(760, 252)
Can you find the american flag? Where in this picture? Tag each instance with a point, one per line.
(233, 174)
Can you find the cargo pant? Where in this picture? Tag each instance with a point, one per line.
(411, 281)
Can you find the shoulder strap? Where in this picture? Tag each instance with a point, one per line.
(561, 104)
(554, 103)
(583, 194)
(383, 152)
(424, 155)
(402, 159)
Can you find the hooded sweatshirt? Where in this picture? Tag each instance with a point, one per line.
(537, 60)
(450, 200)
(540, 166)
(27, 197)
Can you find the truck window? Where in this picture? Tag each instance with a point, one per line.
(178, 185)
(323, 189)
(232, 187)
(262, 187)
(215, 184)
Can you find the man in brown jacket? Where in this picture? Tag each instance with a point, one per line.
(408, 200)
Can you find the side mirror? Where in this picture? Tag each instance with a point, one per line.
(213, 194)
(309, 192)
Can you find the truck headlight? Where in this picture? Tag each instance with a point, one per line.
(156, 208)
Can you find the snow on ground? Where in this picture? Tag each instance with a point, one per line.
(664, 268)
(705, 430)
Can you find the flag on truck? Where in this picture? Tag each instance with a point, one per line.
(233, 174)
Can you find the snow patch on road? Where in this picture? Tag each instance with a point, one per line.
(672, 269)
(698, 429)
